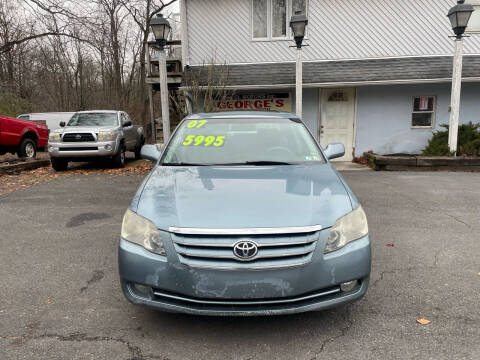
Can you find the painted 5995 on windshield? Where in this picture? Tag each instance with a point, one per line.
(201, 140)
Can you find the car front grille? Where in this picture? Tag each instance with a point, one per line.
(274, 251)
(88, 148)
(78, 137)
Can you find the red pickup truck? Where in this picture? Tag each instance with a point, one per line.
(22, 137)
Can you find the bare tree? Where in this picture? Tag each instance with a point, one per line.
(204, 88)
(58, 55)
(142, 12)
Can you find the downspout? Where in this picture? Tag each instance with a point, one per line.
(185, 47)
(185, 51)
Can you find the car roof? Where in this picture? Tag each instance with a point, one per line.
(98, 111)
(242, 115)
(49, 112)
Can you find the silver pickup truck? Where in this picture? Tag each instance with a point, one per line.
(95, 134)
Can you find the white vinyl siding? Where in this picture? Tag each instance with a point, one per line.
(337, 29)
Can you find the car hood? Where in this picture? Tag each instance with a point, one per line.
(85, 129)
(242, 197)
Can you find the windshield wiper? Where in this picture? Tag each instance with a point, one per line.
(254, 163)
(183, 164)
(266, 162)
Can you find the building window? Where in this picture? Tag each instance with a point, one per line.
(423, 115)
(260, 18)
(474, 23)
(270, 18)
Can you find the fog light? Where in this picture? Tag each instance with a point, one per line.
(142, 289)
(348, 286)
(108, 147)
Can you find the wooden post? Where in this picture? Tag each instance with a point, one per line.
(152, 115)
(150, 97)
(162, 69)
(299, 86)
(456, 92)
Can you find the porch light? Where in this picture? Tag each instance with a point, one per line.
(459, 16)
(161, 29)
(298, 23)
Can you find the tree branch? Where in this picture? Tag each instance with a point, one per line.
(10, 44)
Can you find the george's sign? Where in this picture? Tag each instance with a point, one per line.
(257, 101)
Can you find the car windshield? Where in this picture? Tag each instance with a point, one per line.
(93, 119)
(242, 141)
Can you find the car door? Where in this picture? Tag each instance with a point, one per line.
(129, 132)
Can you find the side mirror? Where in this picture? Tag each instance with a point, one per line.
(150, 152)
(127, 123)
(334, 151)
(62, 124)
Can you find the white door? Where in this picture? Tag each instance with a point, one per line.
(337, 116)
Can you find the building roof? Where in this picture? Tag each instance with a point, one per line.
(242, 114)
(344, 72)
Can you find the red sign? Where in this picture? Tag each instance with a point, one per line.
(276, 102)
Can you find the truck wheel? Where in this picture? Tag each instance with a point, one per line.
(59, 164)
(119, 158)
(27, 149)
(137, 153)
(138, 149)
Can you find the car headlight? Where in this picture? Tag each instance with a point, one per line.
(138, 230)
(348, 228)
(54, 137)
(106, 136)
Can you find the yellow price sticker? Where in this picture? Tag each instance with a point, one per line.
(196, 124)
(201, 140)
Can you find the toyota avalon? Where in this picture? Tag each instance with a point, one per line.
(243, 214)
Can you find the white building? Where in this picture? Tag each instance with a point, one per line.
(377, 73)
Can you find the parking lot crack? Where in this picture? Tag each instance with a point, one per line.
(460, 221)
(392, 271)
(96, 277)
(420, 205)
(135, 352)
(343, 331)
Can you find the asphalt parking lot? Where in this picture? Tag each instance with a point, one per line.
(61, 298)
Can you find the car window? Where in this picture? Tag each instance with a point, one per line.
(238, 141)
(93, 119)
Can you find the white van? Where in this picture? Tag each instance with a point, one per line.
(52, 119)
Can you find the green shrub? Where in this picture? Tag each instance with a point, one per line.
(468, 141)
(11, 105)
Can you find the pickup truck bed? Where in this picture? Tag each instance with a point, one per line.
(22, 137)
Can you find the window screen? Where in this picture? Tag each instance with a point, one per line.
(279, 18)
(474, 22)
(260, 18)
(423, 111)
(299, 5)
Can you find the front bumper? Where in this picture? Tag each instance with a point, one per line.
(176, 287)
(82, 149)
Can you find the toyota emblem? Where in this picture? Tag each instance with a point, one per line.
(78, 137)
(245, 250)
